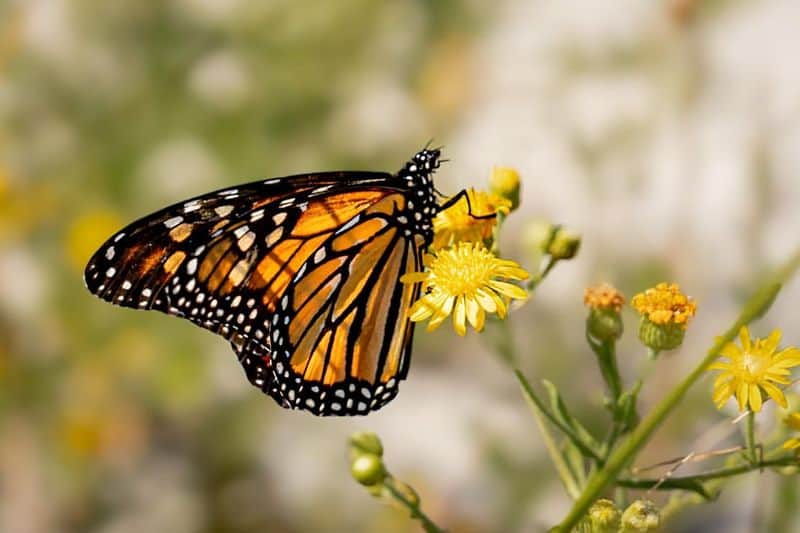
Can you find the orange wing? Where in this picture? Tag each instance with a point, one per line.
(341, 337)
(301, 274)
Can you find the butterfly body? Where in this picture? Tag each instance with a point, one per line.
(300, 274)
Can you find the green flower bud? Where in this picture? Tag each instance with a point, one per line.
(604, 517)
(505, 183)
(640, 516)
(564, 245)
(604, 324)
(660, 337)
(366, 442)
(368, 469)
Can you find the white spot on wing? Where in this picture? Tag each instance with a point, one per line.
(172, 222)
(223, 210)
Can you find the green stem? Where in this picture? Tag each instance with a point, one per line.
(686, 481)
(537, 404)
(606, 353)
(413, 507)
(755, 307)
(539, 276)
(750, 437)
(563, 470)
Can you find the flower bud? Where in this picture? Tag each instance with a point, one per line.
(604, 324)
(666, 312)
(368, 469)
(504, 182)
(660, 337)
(605, 303)
(604, 517)
(640, 516)
(366, 442)
(564, 245)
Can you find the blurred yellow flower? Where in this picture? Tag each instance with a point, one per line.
(793, 421)
(665, 304)
(755, 367)
(604, 296)
(505, 183)
(87, 233)
(3, 183)
(459, 223)
(468, 281)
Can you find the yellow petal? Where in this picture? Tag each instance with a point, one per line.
(472, 311)
(771, 342)
(459, 317)
(755, 398)
(741, 395)
(791, 444)
(775, 393)
(722, 378)
(793, 421)
(486, 301)
(480, 320)
(744, 338)
(414, 277)
(788, 357)
(511, 271)
(722, 393)
(719, 365)
(509, 289)
(421, 310)
(731, 351)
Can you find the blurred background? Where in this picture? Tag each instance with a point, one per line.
(666, 132)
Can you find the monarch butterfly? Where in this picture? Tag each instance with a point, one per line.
(300, 274)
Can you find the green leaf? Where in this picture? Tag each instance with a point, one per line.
(540, 410)
(560, 411)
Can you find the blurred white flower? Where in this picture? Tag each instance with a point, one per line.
(221, 80)
(23, 284)
(381, 114)
(179, 168)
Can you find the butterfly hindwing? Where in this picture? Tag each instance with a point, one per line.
(341, 337)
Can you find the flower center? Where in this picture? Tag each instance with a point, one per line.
(753, 364)
(463, 272)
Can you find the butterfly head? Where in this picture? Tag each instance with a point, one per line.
(419, 169)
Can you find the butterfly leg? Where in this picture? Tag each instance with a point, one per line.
(463, 195)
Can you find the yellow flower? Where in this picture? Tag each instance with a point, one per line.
(457, 223)
(468, 281)
(665, 304)
(604, 296)
(665, 314)
(793, 421)
(755, 367)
